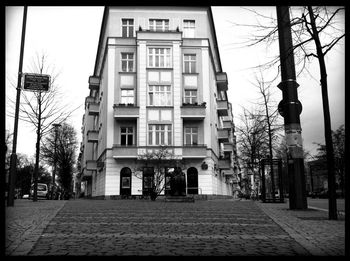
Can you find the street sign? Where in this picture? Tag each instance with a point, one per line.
(36, 82)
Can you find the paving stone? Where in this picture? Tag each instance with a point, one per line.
(135, 227)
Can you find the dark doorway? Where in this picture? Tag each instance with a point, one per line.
(147, 180)
(178, 183)
(192, 181)
(167, 182)
(125, 182)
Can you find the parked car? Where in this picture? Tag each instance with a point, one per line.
(42, 191)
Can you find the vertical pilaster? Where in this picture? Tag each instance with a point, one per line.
(178, 124)
(142, 92)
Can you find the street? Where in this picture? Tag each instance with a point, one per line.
(142, 227)
(322, 203)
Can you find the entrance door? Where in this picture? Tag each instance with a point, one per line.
(192, 181)
(147, 180)
(125, 182)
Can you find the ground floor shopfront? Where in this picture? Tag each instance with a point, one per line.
(129, 178)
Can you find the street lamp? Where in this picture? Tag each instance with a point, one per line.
(56, 126)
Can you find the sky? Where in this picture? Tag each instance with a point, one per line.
(69, 36)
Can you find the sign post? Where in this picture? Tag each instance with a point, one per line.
(13, 159)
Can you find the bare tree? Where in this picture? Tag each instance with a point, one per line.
(41, 109)
(252, 140)
(165, 168)
(330, 26)
(325, 27)
(270, 116)
(64, 143)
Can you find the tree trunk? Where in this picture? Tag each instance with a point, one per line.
(332, 212)
(36, 171)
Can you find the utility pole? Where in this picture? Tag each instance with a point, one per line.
(290, 109)
(13, 159)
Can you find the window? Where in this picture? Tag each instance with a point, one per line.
(127, 62)
(191, 136)
(126, 136)
(159, 134)
(159, 57)
(159, 24)
(190, 96)
(126, 182)
(159, 95)
(127, 97)
(127, 27)
(189, 63)
(188, 28)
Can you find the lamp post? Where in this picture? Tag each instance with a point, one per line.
(55, 125)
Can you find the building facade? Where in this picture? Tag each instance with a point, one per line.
(157, 83)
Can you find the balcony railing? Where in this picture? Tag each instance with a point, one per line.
(94, 83)
(91, 165)
(221, 81)
(92, 136)
(194, 151)
(224, 164)
(228, 147)
(223, 135)
(86, 174)
(123, 151)
(122, 111)
(89, 99)
(93, 108)
(228, 172)
(227, 124)
(193, 111)
(133, 151)
(222, 107)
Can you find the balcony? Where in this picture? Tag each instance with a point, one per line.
(86, 174)
(223, 135)
(227, 125)
(124, 152)
(228, 147)
(125, 111)
(224, 164)
(228, 172)
(222, 108)
(92, 136)
(89, 99)
(91, 165)
(193, 112)
(194, 151)
(221, 81)
(94, 83)
(93, 108)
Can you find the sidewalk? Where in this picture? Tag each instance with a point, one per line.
(25, 222)
(311, 229)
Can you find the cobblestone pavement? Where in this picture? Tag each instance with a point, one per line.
(213, 227)
(25, 222)
(311, 228)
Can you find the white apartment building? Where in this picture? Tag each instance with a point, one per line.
(157, 82)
